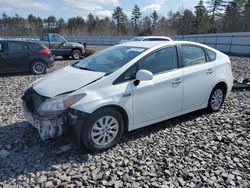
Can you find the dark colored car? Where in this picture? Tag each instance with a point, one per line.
(22, 56)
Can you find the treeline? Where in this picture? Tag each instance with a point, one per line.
(208, 17)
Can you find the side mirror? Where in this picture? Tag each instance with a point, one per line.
(144, 75)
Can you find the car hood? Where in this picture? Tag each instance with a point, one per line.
(65, 80)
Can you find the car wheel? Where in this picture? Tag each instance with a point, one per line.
(38, 67)
(216, 98)
(102, 130)
(76, 54)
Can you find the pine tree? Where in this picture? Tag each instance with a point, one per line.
(119, 16)
(215, 7)
(136, 15)
(201, 19)
(155, 18)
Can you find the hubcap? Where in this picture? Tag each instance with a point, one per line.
(104, 130)
(39, 68)
(76, 55)
(217, 99)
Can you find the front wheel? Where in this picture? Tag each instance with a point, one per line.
(102, 130)
(38, 67)
(216, 98)
(76, 54)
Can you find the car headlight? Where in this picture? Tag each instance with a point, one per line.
(59, 104)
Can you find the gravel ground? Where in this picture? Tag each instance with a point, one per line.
(195, 150)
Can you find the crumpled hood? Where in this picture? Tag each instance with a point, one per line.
(65, 80)
(74, 44)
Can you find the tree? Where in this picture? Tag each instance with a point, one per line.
(136, 15)
(215, 7)
(120, 17)
(147, 28)
(246, 16)
(155, 18)
(201, 19)
(186, 22)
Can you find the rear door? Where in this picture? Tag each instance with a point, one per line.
(198, 76)
(18, 56)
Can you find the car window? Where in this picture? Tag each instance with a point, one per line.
(211, 54)
(16, 46)
(44, 38)
(36, 46)
(1, 47)
(57, 38)
(160, 61)
(109, 60)
(192, 55)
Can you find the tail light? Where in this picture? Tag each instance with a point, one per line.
(45, 51)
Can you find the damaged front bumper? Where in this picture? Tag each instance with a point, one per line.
(48, 127)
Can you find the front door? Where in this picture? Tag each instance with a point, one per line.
(161, 96)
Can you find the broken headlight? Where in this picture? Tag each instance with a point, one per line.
(59, 104)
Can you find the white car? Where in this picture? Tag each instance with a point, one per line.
(150, 38)
(127, 87)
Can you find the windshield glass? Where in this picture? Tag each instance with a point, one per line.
(110, 59)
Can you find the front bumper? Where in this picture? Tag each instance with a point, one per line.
(48, 127)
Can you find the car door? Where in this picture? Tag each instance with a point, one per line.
(18, 56)
(3, 57)
(198, 76)
(161, 96)
(58, 45)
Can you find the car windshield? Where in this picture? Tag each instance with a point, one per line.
(110, 59)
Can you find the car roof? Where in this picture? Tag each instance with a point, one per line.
(152, 44)
(19, 40)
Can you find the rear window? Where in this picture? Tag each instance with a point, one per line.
(211, 55)
(36, 46)
(44, 38)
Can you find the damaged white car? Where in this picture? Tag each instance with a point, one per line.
(127, 87)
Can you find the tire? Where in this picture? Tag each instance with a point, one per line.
(97, 128)
(38, 67)
(216, 98)
(76, 54)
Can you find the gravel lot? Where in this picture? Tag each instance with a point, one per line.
(194, 150)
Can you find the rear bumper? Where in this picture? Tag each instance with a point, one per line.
(50, 62)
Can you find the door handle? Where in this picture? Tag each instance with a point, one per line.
(210, 71)
(126, 95)
(176, 82)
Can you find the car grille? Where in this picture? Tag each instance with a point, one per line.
(33, 100)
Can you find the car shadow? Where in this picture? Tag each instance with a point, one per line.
(27, 153)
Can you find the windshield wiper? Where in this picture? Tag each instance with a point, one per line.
(82, 68)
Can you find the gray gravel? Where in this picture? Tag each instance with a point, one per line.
(195, 150)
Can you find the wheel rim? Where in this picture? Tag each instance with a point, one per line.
(76, 55)
(217, 99)
(39, 68)
(104, 130)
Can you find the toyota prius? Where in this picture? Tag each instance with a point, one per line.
(126, 87)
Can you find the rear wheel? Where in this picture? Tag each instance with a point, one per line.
(76, 54)
(216, 98)
(102, 130)
(38, 67)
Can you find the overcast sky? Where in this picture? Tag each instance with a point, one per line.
(101, 8)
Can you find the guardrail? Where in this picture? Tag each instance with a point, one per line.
(229, 43)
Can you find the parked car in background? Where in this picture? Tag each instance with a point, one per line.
(150, 38)
(59, 46)
(22, 56)
(127, 87)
